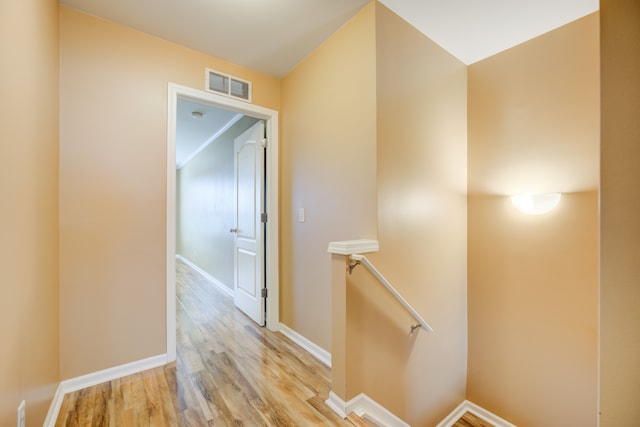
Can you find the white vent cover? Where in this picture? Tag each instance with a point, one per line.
(225, 84)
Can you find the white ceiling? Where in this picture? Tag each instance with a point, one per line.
(272, 36)
(473, 30)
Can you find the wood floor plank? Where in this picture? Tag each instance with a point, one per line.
(356, 420)
(84, 406)
(326, 413)
(211, 402)
(66, 409)
(114, 411)
(470, 420)
(103, 393)
(192, 417)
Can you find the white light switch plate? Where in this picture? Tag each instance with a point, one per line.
(302, 215)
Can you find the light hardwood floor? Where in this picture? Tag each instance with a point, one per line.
(229, 372)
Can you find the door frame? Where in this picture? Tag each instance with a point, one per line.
(272, 201)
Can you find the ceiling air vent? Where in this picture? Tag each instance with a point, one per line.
(225, 84)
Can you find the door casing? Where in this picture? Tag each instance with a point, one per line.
(272, 197)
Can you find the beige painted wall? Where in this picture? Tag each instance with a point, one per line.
(206, 206)
(533, 311)
(327, 167)
(533, 127)
(113, 186)
(422, 159)
(29, 210)
(620, 222)
(535, 121)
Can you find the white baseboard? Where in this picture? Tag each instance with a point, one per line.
(227, 290)
(318, 352)
(54, 408)
(363, 406)
(109, 374)
(95, 378)
(476, 410)
(337, 405)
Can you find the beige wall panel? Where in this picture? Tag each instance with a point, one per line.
(379, 344)
(29, 110)
(113, 186)
(534, 115)
(422, 160)
(533, 310)
(328, 168)
(533, 127)
(620, 221)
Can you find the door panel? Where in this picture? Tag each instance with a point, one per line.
(249, 230)
(247, 266)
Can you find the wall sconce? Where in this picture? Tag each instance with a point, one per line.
(536, 204)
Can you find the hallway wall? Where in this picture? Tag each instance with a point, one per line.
(29, 114)
(422, 214)
(533, 280)
(327, 167)
(113, 186)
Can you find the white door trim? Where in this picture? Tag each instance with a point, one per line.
(272, 280)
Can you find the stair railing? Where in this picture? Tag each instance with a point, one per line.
(362, 260)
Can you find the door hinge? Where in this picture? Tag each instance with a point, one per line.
(264, 142)
(264, 292)
(263, 217)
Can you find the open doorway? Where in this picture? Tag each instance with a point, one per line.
(236, 114)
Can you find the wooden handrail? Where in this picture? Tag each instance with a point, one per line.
(362, 260)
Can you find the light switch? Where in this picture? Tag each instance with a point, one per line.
(302, 215)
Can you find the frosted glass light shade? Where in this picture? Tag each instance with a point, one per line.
(536, 204)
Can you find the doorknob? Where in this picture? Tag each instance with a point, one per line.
(233, 230)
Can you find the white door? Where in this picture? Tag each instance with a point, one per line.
(249, 229)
